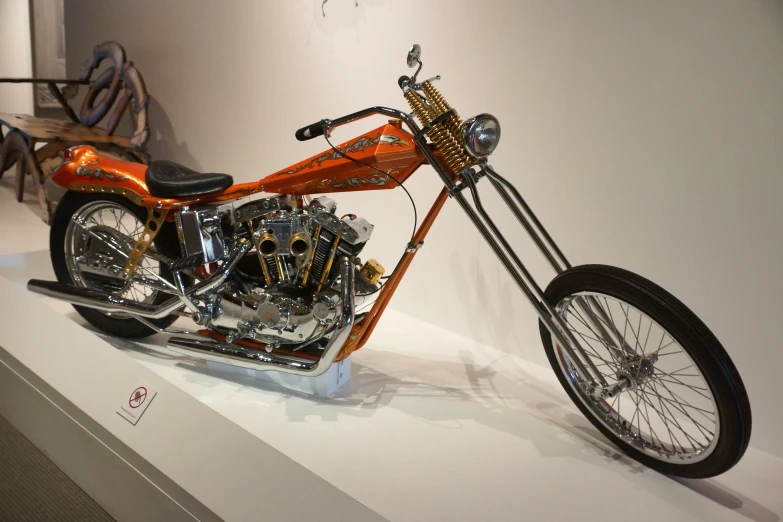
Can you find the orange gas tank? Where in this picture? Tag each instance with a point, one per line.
(389, 148)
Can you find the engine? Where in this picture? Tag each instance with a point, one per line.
(289, 291)
(299, 246)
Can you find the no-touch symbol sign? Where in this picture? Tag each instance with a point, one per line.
(133, 407)
(138, 397)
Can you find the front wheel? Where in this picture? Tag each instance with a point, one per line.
(671, 397)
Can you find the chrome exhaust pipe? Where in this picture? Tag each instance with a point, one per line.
(102, 301)
(236, 355)
(113, 304)
(217, 279)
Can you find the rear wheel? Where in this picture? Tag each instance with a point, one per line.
(673, 399)
(90, 239)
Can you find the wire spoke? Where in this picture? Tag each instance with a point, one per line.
(116, 229)
(653, 435)
(628, 323)
(658, 373)
(665, 419)
(585, 335)
(665, 346)
(694, 442)
(680, 408)
(680, 424)
(591, 352)
(635, 413)
(698, 426)
(681, 369)
(601, 318)
(584, 322)
(122, 215)
(646, 339)
(681, 384)
(685, 404)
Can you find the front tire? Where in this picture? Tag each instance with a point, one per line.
(661, 425)
(61, 235)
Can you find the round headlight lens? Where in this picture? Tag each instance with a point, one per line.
(482, 135)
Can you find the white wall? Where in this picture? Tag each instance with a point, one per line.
(646, 134)
(15, 56)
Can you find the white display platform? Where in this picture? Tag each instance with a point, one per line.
(324, 385)
(436, 427)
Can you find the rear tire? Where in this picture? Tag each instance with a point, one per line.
(733, 415)
(165, 242)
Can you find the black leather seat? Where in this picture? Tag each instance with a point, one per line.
(166, 179)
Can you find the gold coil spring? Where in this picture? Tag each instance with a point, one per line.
(441, 106)
(453, 155)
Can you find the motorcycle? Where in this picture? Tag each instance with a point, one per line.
(273, 282)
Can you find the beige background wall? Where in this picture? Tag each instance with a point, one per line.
(647, 135)
(15, 56)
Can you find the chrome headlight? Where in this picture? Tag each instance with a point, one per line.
(482, 135)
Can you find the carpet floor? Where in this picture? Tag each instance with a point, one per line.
(32, 488)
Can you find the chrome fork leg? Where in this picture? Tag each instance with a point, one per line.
(558, 261)
(528, 220)
(554, 323)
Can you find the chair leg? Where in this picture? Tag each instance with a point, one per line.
(17, 149)
(2, 160)
(13, 150)
(8, 152)
(26, 163)
(28, 158)
(39, 179)
(21, 171)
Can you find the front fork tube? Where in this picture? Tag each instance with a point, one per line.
(559, 263)
(525, 281)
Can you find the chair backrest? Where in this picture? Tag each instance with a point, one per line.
(109, 80)
(124, 85)
(134, 95)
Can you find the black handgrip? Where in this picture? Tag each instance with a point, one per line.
(311, 131)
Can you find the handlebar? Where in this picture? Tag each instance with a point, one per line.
(311, 131)
(317, 129)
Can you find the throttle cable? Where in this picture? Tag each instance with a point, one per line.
(413, 203)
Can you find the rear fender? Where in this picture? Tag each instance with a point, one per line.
(85, 170)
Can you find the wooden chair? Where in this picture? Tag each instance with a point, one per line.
(21, 135)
